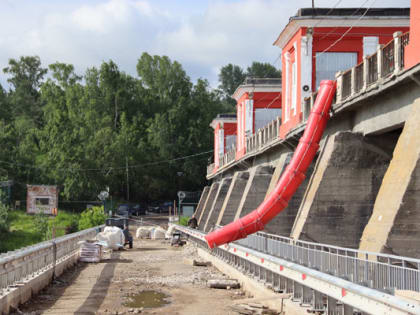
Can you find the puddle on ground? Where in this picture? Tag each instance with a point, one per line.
(147, 299)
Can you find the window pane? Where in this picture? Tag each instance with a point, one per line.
(329, 63)
(230, 142)
(265, 115)
(42, 201)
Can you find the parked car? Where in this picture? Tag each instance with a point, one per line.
(160, 207)
(138, 209)
(123, 210)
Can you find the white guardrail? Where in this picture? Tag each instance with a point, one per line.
(315, 289)
(18, 268)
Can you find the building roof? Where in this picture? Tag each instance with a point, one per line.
(343, 17)
(258, 85)
(223, 118)
(356, 12)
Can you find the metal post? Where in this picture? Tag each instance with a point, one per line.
(365, 73)
(397, 52)
(379, 55)
(339, 91)
(128, 184)
(353, 81)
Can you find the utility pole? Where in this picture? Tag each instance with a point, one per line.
(128, 184)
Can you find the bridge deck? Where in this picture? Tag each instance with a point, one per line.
(151, 265)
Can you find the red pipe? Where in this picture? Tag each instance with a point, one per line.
(291, 178)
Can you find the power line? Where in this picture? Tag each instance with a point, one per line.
(353, 14)
(322, 19)
(346, 32)
(109, 168)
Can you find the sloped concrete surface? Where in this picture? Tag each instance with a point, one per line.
(255, 189)
(340, 197)
(202, 202)
(233, 198)
(218, 203)
(208, 205)
(395, 223)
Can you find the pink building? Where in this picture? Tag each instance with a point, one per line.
(318, 43)
(258, 103)
(224, 126)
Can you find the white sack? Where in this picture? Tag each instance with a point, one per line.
(170, 232)
(113, 236)
(158, 233)
(143, 232)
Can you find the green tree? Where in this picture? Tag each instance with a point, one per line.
(4, 222)
(91, 218)
(164, 78)
(262, 70)
(230, 77)
(26, 75)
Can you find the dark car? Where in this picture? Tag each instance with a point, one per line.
(123, 210)
(123, 225)
(138, 209)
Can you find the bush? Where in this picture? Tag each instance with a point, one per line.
(64, 223)
(92, 217)
(184, 221)
(4, 222)
(42, 226)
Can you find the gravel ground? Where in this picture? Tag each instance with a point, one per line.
(103, 288)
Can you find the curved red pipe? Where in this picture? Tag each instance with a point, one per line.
(291, 178)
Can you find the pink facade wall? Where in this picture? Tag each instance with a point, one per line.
(323, 39)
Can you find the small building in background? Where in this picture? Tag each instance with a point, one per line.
(224, 126)
(42, 199)
(258, 103)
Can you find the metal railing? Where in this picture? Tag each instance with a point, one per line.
(387, 60)
(24, 264)
(280, 265)
(263, 136)
(346, 84)
(374, 270)
(229, 156)
(358, 78)
(372, 64)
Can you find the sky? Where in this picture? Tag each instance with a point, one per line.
(203, 35)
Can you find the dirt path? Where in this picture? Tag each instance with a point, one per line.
(151, 265)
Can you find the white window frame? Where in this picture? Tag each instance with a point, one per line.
(294, 87)
(286, 105)
(221, 141)
(294, 81)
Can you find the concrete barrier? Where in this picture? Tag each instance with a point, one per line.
(24, 272)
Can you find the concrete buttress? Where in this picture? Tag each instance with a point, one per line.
(341, 192)
(394, 226)
(201, 203)
(206, 207)
(217, 203)
(233, 197)
(282, 224)
(255, 189)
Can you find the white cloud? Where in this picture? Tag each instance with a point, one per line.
(212, 34)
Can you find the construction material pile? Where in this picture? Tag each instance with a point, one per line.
(90, 251)
(154, 232)
(113, 236)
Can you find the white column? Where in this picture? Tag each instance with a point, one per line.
(305, 67)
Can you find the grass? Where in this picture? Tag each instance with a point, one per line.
(24, 229)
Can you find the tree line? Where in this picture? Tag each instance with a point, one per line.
(107, 128)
